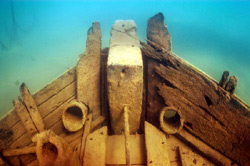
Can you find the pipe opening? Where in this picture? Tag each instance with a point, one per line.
(171, 120)
(74, 116)
(49, 152)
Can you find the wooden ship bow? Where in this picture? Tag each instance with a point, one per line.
(133, 103)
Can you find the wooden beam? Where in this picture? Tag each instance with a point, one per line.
(25, 117)
(32, 108)
(95, 150)
(204, 105)
(224, 79)
(208, 152)
(85, 133)
(17, 152)
(127, 138)
(88, 72)
(156, 146)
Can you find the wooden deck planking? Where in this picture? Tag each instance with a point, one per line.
(11, 122)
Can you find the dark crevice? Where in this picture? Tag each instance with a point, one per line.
(189, 125)
(212, 115)
(208, 100)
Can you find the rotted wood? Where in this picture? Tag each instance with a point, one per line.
(206, 151)
(86, 132)
(231, 85)
(32, 108)
(224, 79)
(219, 121)
(25, 117)
(88, 72)
(157, 33)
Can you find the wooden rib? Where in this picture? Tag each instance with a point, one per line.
(182, 160)
(25, 117)
(86, 132)
(16, 152)
(96, 155)
(32, 108)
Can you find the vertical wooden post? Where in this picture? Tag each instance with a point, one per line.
(231, 85)
(126, 131)
(224, 78)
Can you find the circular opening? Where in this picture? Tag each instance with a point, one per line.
(49, 152)
(170, 120)
(73, 115)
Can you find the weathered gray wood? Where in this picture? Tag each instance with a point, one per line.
(224, 79)
(231, 85)
(208, 152)
(95, 150)
(219, 121)
(157, 32)
(25, 117)
(32, 108)
(88, 72)
(156, 146)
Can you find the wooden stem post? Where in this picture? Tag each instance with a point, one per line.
(127, 141)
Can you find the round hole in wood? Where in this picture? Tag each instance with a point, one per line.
(171, 120)
(49, 152)
(74, 116)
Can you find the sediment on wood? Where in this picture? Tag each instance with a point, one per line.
(204, 106)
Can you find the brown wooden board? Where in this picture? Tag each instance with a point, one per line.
(156, 146)
(95, 150)
(10, 125)
(220, 120)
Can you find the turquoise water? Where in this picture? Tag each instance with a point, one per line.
(46, 37)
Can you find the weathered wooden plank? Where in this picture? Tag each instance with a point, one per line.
(54, 102)
(16, 152)
(127, 133)
(95, 150)
(86, 132)
(56, 115)
(55, 86)
(32, 108)
(25, 118)
(22, 141)
(157, 31)
(116, 150)
(88, 72)
(125, 76)
(208, 111)
(204, 149)
(97, 123)
(11, 119)
(156, 146)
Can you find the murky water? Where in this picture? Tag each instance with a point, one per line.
(39, 40)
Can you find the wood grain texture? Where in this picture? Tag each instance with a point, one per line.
(25, 118)
(220, 120)
(156, 146)
(95, 150)
(88, 72)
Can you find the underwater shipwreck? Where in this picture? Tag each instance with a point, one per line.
(133, 103)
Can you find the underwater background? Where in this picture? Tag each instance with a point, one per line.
(40, 40)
